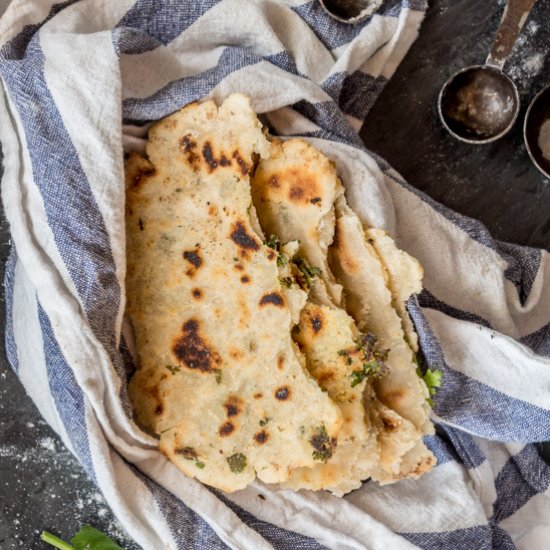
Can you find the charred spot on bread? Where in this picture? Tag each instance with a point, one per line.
(243, 166)
(188, 147)
(282, 393)
(273, 298)
(261, 437)
(242, 239)
(316, 322)
(187, 452)
(193, 257)
(193, 351)
(197, 293)
(227, 428)
(233, 406)
(209, 156)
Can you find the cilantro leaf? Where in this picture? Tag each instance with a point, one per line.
(432, 379)
(308, 272)
(90, 538)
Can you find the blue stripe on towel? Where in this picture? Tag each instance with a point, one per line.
(164, 20)
(478, 538)
(73, 216)
(522, 477)
(9, 281)
(67, 395)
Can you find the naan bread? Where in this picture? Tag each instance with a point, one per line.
(220, 379)
(294, 193)
(328, 338)
(357, 265)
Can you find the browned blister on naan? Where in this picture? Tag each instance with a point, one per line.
(220, 380)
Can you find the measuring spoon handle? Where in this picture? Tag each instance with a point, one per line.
(514, 17)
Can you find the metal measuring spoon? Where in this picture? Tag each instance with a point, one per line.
(350, 11)
(480, 104)
(536, 131)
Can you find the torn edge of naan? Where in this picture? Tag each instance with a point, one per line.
(404, 277)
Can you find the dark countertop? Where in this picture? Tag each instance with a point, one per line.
(42, 485)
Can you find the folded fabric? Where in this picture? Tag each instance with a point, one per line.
(81, 80)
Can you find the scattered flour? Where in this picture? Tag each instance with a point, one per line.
(48, 444)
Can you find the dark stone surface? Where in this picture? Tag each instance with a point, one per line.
(41, 484)
(495, 183)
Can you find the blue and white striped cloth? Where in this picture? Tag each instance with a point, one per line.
(80, 81)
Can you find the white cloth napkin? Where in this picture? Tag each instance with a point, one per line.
(80, 81)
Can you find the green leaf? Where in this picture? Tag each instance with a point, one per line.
(54, 541)
(432, 379)
(199, 464)
(90, 538)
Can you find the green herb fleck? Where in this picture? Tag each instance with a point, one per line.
(218, 373)
(274, 242)
(349, 360)
(322, 444)
(308, 271)
(264, 421)
(343, 352)
(282, 260)
(237, 463)
(235, 259)
(373, 359)
(199, 464)
(366, 342)
(432, 379)
(179, 189)
(173, 369)
(367, 369)
(286, 282)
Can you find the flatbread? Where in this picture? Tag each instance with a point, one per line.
(357, 266)
(294, 193)
(220, 380)
(380, 431)
(328, 338)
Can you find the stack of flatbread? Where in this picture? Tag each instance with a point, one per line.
(270, 325)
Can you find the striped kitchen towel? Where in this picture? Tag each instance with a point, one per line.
(81, 80)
